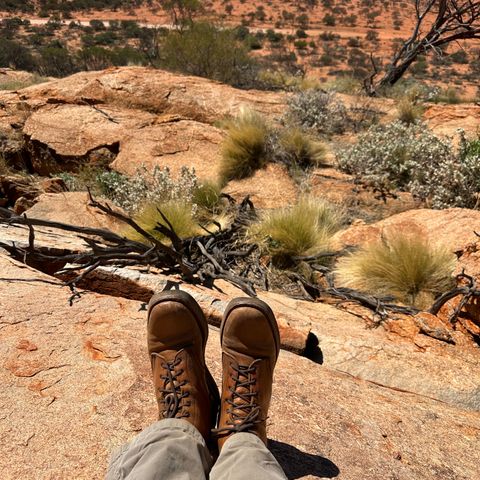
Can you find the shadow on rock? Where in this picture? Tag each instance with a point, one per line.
(298, 464)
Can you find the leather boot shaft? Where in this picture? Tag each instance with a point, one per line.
(177, 336)
(250, 346)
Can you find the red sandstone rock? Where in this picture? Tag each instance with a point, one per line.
(90, 376)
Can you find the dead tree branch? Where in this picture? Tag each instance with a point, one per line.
(438, 23)
(219, 255)
(467, 291)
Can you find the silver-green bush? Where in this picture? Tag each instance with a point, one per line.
(319, 111)
(411, 158)
(131, 193)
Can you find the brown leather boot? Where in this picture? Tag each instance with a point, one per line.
(250, 346)
(177, 336)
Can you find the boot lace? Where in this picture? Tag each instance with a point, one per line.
(246, 413)
(172, 395)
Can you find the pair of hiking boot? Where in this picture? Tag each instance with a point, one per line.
(177, 337)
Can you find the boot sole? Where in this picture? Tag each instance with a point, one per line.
(259, 305)
(191, 304)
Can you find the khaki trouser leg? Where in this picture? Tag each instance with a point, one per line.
(245, 457)
(170, 449)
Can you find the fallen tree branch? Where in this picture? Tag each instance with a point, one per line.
(379, 306)
(219, 255)
(467, 291)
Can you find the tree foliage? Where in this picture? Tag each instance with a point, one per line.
(207, 51)
(181, 12)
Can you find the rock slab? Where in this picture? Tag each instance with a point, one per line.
(76, 384)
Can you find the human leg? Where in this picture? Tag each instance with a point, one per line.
(245, 457)
(170, 449)
(175, 446)
(250, 347)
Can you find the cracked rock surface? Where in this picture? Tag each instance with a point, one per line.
(143, 116)
(76, 384)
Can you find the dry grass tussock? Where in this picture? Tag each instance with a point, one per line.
(402, 266)
(207, 195)
(301, 149)
(306, 228)
(244, 148)
(408, 111)
(179, 213)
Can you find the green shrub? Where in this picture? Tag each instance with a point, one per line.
(301, 33)
(207, 51)
(303, 229)
(411, 158)
(56, 62)
(470, 149)
(300, 44)
(460, 56)
(318, 111)
(15, 55)
(403, 266)
(244, 150)
(329, 20)
(95, 58)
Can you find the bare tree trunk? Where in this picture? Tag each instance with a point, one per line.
(453, 20)
(395, 73)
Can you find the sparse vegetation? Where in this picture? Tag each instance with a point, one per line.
(245, 148)
(179, 213)
(279, 79)
(4, 167)
(61, 48)
(298, 149)
(403, 266)
(18, 84)
(411, 158)
(343, 84)
(306, 228)
(319, 111)
(449, 95)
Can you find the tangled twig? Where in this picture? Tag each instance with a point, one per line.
(468, 291)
